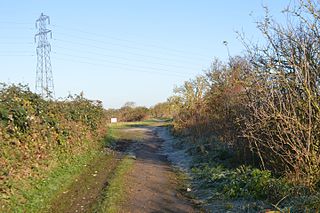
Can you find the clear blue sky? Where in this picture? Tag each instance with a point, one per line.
(125, 50)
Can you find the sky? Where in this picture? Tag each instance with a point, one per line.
(124, 50)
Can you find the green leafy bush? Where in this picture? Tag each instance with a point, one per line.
(35, 134)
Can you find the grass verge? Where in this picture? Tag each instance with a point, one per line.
(39, 193)
(114, 194)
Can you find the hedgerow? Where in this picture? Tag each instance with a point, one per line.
(36, 134)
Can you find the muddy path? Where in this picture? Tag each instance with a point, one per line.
(151, 184)
(86, 190)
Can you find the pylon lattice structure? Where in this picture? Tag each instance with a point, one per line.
(44, 78)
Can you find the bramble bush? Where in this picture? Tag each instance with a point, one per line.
(36, 133)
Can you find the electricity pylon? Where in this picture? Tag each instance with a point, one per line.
(44, 78)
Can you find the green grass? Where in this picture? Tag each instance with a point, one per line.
(115, 193)
(35, 195)
(88, 184)
(122, 130)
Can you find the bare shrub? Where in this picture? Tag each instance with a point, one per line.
(283, 123)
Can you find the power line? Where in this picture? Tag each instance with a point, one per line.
(109, 37)
(17, 23)
(122, 64)
(12, 51)
(9, 42)
(4, 52)
(126, 69)
(114, 38)
(120, 39)
(9, 55)
(145, 69)
(10, 38)
(134, 47)
(125, 58)
(127, 52)
(122, 45)
(16, 28)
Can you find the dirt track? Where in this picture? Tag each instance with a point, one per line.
(150, 184)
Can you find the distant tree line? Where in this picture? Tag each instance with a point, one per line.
(129, 112)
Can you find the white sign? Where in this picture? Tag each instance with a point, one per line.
(114, 120)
